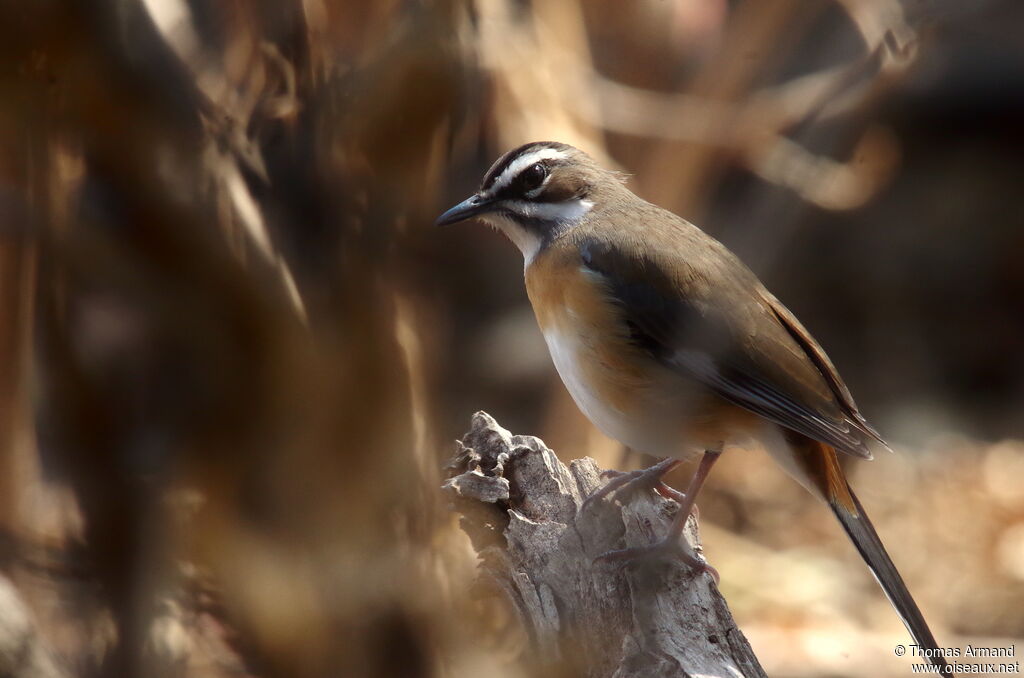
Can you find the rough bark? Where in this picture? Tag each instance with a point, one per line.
(520, 506)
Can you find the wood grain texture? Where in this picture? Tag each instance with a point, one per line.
(520, 506)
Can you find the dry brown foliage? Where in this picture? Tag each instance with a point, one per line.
(232, 347)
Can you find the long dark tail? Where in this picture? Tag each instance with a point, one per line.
(862, 533)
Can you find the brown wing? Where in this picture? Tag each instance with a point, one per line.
(817, 354)
(712, 320)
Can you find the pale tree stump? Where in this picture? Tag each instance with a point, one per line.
(520, 506)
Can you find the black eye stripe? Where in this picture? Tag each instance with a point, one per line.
(532, 177)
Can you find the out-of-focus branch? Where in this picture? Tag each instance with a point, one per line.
(23, 653)
(752, 130)
(227, 110)
(521, 507)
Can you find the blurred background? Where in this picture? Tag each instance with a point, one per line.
(234, 352)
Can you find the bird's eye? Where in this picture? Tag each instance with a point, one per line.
(533, 176)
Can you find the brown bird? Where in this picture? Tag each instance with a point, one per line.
(669, 344)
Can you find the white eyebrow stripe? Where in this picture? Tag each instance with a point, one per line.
(521, 163)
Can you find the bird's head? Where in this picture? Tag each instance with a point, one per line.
(534, 193)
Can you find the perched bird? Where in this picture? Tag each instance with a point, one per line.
(669, 344)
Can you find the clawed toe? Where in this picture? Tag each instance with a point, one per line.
(670, 493)
(664, 549)
(649, 478)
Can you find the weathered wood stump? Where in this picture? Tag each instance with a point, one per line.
(520, 506)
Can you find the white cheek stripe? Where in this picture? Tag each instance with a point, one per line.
(527, 241)
(560, 212)
(521, 163)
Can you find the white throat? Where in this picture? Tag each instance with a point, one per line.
(527, 241)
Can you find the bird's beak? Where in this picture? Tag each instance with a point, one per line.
(470, 207)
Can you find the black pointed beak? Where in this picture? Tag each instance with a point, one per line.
(469, 207)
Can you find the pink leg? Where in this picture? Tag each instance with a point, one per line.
(671, 543)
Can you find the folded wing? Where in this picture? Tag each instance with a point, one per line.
(734, 337)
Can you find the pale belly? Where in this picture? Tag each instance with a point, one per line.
(623, 392)
(655, 425)
(645, 422)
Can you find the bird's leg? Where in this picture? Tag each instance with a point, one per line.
(648, 478)
(671, 543)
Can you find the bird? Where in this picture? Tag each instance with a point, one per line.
(672, 346)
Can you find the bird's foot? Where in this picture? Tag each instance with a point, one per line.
(665, 549)
(672, 545)
(644, 479)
